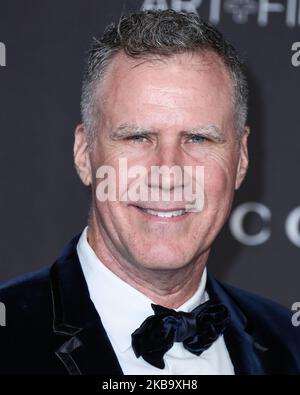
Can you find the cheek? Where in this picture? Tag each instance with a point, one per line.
(113, 221)
(215, 180)
(219, 180)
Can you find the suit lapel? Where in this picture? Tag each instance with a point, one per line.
(248, 353)
(81, 343)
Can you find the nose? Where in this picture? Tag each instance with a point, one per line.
(168, 153)
(166, 172)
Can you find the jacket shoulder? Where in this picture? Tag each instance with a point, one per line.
(24, 285)
(255, 304)
(26, 299)
(270, 320)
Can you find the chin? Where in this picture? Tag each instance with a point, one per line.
(162, 257)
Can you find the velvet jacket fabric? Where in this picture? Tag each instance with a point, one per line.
(52, 327)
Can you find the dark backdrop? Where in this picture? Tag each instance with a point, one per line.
(42, 201)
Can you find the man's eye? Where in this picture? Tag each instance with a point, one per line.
(138, 138)
(197, 139)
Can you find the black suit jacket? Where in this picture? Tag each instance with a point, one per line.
(52, 327)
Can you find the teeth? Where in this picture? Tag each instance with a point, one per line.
(164, 214)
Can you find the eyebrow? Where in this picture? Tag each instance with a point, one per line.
(126, 130)
(210, 131)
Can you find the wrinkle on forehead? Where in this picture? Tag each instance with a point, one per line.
(123, 65)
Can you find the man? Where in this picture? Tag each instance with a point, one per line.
(131, 294)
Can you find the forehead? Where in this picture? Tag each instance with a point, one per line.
(182, 85)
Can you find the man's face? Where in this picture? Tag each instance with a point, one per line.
(151, 113)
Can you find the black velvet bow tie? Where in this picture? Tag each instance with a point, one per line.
(197, 330)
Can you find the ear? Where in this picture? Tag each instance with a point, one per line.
(81, 155)
(244, 159)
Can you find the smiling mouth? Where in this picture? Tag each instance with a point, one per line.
(163, 213)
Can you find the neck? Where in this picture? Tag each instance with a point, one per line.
(167, 287)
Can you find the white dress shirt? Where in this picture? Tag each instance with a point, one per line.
(122, 310)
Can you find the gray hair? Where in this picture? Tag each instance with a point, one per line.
(162, 33)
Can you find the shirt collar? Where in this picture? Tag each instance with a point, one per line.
(121, 307)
